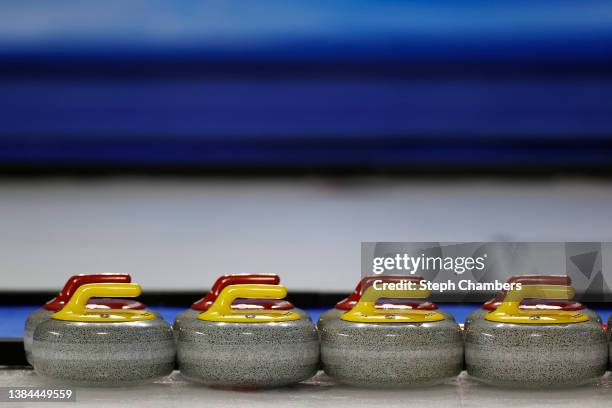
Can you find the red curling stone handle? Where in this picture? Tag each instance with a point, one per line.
(351, 301)
(76, 281)
(227, 280)
(528, 280)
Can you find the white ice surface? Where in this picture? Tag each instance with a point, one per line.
(320, 392)
(181, 234)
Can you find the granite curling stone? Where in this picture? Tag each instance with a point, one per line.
(348, 303)
(378, 348)
(255, 348)
(204, 304)
(108, 347)
(514, 347)
(609, 335)
(58, 302)
(535, 304)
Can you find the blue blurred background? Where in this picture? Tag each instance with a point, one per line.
(174, 105)
(305, 83)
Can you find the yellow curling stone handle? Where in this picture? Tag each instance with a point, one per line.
(365, 311)
(76, 308)
(510, 312)
(221, 310)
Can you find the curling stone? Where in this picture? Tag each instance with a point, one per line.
(204, 304)
(535, 304)
(350, 302)
(103, 347)
(535, 348)
(371, 347)
(224, 346)
(56, 304)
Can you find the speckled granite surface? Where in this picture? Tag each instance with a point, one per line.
(252, 354)
(103, 354)
(535, 355)
(391, 355)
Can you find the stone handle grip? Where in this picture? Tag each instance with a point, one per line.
(228, 280)
(76, 308)
(365, 283)
(365, 310)
(221, 310)
(76, 281)
(509, 310)
(534, 280)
